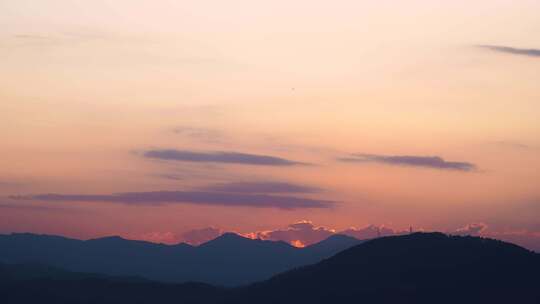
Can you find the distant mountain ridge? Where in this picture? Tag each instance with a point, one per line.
(228, 260)
(420, 268)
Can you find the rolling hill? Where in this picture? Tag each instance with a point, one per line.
(416, 268)
(229, 260)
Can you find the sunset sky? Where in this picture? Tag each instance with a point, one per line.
(175, 121)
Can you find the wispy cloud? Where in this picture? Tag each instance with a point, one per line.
(514, 145)
(200, 134)
(60, 38)
(174, 177)
(434, 162)
(260, 187)
(512, 50)
(188, 197)
(219, 157)
(35, 207)
(30, 36)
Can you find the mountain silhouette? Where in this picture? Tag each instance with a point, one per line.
(229, 260)
(416, 268)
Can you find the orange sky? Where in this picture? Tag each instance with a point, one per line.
(347, 100)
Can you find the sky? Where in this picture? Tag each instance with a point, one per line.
(175, 121)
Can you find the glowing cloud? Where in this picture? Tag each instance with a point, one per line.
(471, 229)
(302, 232)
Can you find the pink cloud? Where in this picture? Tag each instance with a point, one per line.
(472, 229)
(300, 234)
(304, 233)
(369, 232)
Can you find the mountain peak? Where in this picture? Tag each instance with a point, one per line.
(231, 235)
(111, 238)
(229, 259)
(227, 238)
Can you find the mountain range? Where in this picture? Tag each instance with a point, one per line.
(416, 268)
(228, 260)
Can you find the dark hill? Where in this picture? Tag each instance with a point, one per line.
(32, 272)
(417, 268)
(32, 283)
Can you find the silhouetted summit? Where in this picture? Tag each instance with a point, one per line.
(416, 268)
(234, 242)
(228, 260)
(227, 237)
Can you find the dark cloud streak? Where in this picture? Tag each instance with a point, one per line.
(515, 145)
(201, 134)
(261, 187)
(512, 50)
(157, 198)
(219, 157)
(434, 162)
